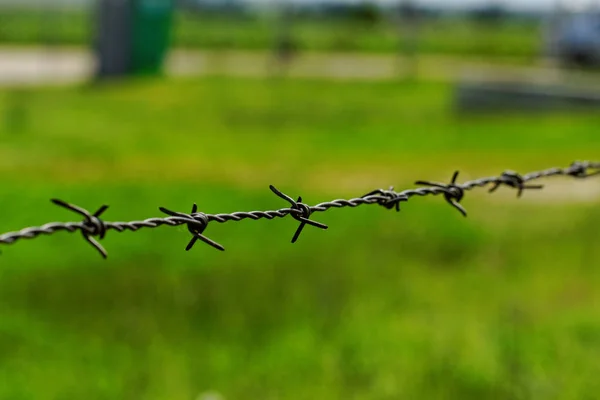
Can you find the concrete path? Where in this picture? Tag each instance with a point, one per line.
(39, 66)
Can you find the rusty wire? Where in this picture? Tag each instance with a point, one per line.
(93, 227)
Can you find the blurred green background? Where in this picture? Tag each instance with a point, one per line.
(421, 304)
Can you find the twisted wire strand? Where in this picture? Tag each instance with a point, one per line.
(93, 227)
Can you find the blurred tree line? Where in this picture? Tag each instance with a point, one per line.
(366, 11)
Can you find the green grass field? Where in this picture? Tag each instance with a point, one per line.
(421, 304)
(512, 39)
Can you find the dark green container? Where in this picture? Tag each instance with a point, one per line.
(151, 27)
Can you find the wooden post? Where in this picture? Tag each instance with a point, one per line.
(283, 47)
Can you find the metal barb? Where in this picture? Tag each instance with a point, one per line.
(393, 198)
(196, 223)
(93, 227)
(92, 224)
(579, 169)
(453, 193)
(303, 215)
(513, 180)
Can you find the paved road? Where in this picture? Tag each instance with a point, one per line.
(35, 66)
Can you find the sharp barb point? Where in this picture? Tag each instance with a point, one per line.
(453, 181)
(191, 243)
(101, 211)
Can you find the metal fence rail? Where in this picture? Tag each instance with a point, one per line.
(93, 226)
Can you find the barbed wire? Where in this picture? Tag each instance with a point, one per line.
(93, 226)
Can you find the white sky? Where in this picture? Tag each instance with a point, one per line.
(515, 4)
(529, 4)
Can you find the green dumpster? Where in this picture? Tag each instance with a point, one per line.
(150, 36)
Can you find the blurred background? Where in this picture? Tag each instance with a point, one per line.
(147, 103)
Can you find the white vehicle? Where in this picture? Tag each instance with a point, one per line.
(574, 39)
